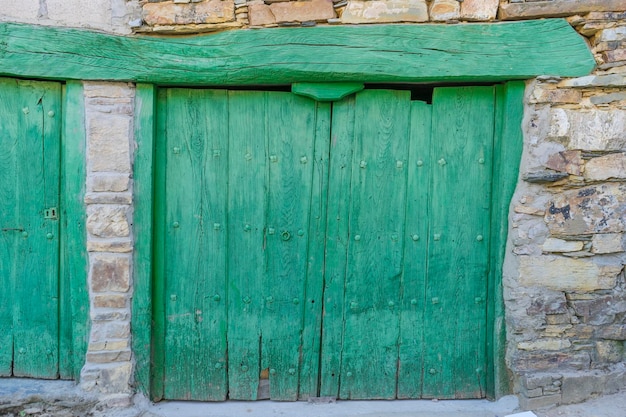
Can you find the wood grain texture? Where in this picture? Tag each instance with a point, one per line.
(508, 143)
(247, 262)
(338, 212)
(455, 313)
(411, 343)
(376, 248)
(195, 267)
(31, 126)
(143, 174)
(402, 53)
(74, 294)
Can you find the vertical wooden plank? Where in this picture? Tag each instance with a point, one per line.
(508, 146)
(291, 133)
(195, 266)
(312, 302)
(159, 253)
(9, 127)
(410, 363)
(36, 331)
(455, 314)
(375, 255)
(247, 264)
(340, 164)
(74, 294)
(143, 174)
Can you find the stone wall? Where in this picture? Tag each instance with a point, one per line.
(565, 292)
(564, 285)
(109, 109)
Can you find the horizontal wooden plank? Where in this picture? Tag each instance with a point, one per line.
(401, 53)
(537, 9)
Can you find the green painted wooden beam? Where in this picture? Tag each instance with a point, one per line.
(368, 53)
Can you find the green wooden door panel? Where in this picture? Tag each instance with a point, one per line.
(460, 193)
(195, 272)
(411, 343)
(376, 245)
(325, 249)
(247, 265)
(30, 131)
(340, 164)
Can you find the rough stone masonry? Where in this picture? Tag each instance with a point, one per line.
(564, 286)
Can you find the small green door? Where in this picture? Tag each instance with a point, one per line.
(29, 244)
(322, 249)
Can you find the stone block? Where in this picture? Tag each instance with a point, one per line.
(171, 13)
(108, 221)
(566, 274)
(599, 130)
(377, 11)
(526, 403)
(616, 55)
(444, 10)
(260, 15)
(109, 143)
(550, 361)
(545, 344)
(92, 89)
(609, 80)
(109, 315)
(560, 245)
(607, 98)
(612, 34)
(589, 210)
(602, 168)
(607, 243)
(108, 356)
(110, 301)
(303, 11)
(102, 331)
(20, 11)
(74, 13)
(600, 310)
(108, 182)
(479, 10)
(556, 96)
(548, 304)
(579, 387)
(534, 381)
(613, 332)
(110, 273)
(107, 345)
(609, 351)
(115, 246)
(109, 198)
(112, 378)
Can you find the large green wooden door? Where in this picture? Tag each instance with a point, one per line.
(29, 244)
(336, 250)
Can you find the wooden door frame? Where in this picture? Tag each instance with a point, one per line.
(428, 53)
(507, 152)
(73, 315)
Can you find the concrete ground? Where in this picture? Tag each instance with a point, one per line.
(27, 397)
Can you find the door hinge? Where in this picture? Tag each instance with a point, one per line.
(51, 213)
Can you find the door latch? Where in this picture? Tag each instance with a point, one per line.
(51, 213)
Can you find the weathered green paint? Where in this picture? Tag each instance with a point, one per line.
(507, 150)
(231, 251)
(458, 243)
(409, 281)
(402, 53)
(30, 130)
(326, 91)
(74, 294)
(412, 326)
(145, 100)
(375, 245)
